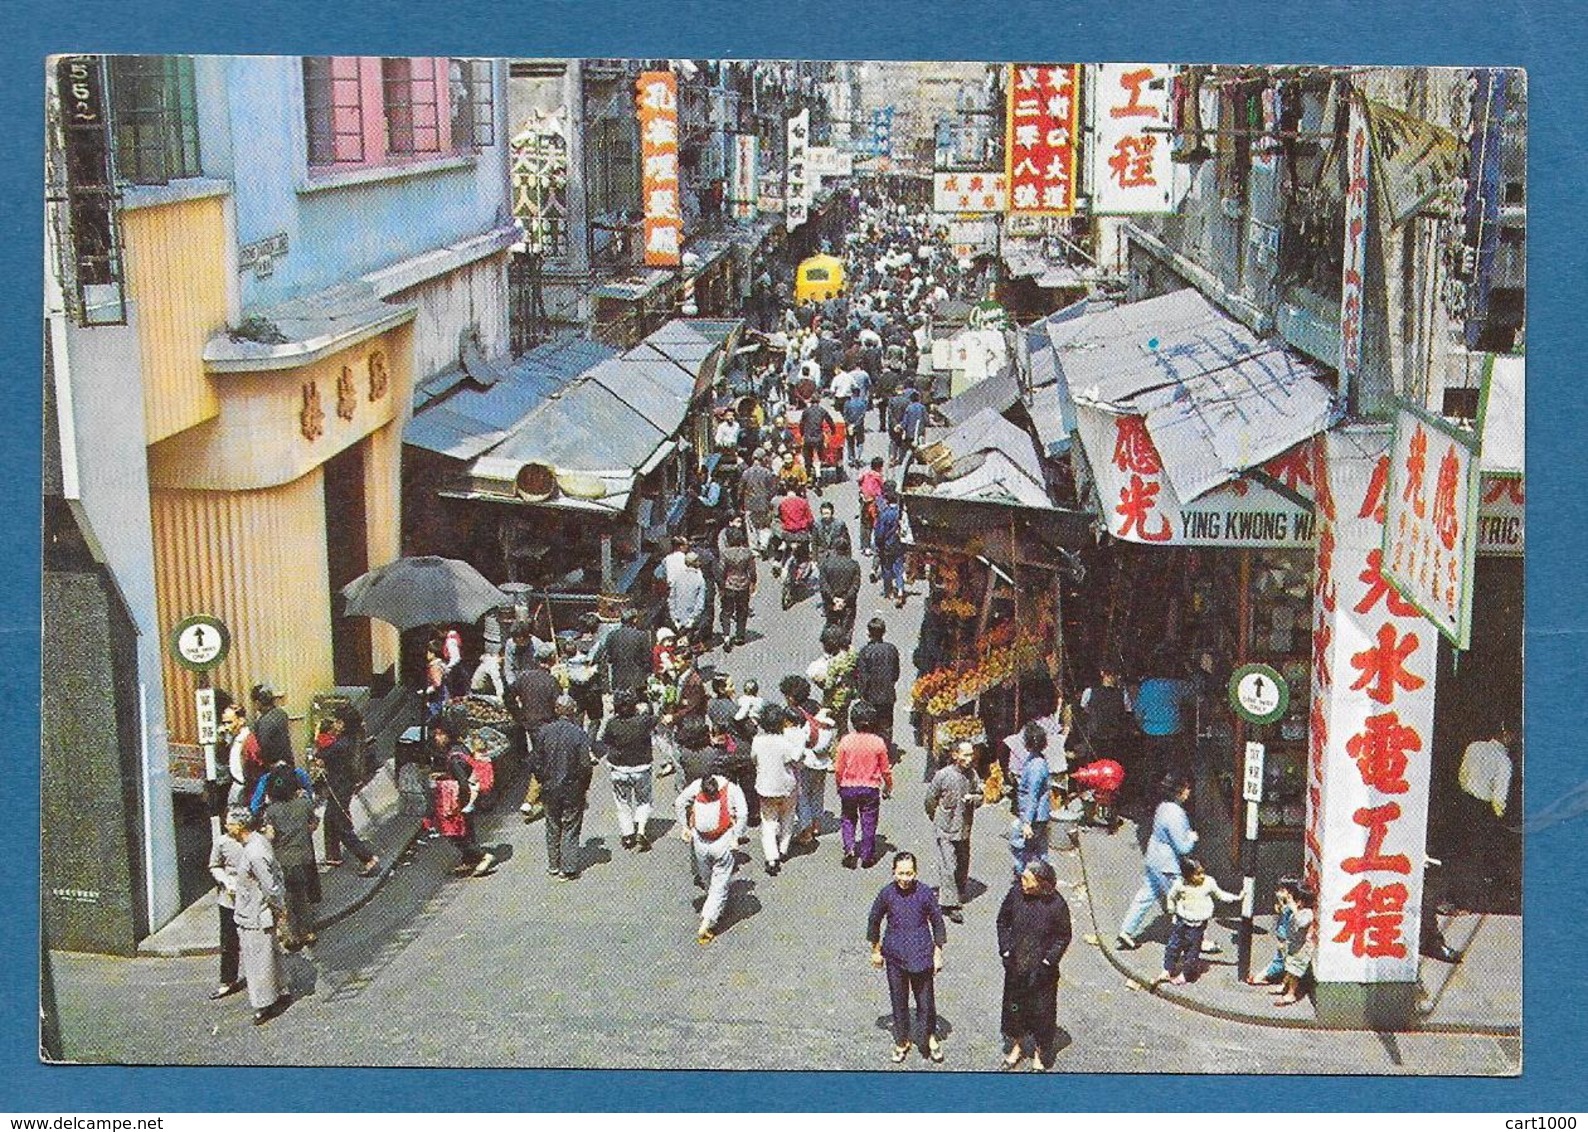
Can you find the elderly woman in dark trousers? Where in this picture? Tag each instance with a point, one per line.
(1033, 934)
(911, 950)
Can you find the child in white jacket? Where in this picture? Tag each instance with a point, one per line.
(1190, 903)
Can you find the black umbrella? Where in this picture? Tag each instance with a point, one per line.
(426, 590)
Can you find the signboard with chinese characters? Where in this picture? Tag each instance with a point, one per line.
(1131, 170)
(962, 192)
(657, 103)
(744, 188)
(1138, 503)
(1040, 138)
(1502, 514)
(1355, 259)
(797, 188)
(970, 238)
(1413, 160)
(1431, 530)
(882, 131)
(1370, 730)
(827, 163)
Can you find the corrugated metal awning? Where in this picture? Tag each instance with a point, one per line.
(1216, 399)
(997, 393)
(1053, 417)
(472, 419)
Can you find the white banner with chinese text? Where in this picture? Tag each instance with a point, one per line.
(1139, 503)
(1431, 533)
(744, 188)
(969, 192)
(1370, 729)
(797, 189)
(1131, 170)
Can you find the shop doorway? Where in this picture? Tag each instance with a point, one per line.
(1477, 690)
(347, 556)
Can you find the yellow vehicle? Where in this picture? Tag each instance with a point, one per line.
(818, 278)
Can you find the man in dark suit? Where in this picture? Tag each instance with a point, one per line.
(876, 679)
(626, 653)
(840, 588)
(535, 691)
(271, 727)
(562, 764)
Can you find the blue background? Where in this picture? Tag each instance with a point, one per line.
(1546, 38)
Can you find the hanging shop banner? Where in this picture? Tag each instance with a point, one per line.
(1040, 138)
(744, 189)
(657, 104)
(971, 238)
(797, 188)
(1029, 226)
(1370, 728)
(1431, 532)
(1413, 161)
(1131, 171)
(826, 163)
(1481, 204)
(962, 193)
(1138, 503)
(1352, 290)
(882, 131)
(1502, 514)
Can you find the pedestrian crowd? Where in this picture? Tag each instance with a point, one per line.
(645, 702)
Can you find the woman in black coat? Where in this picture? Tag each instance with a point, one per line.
(1033, 933)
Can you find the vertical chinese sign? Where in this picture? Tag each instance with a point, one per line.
(1431, 528)
(657, 103)
(746, 153)
(1352, 293)
(797, 192)
(1040, 139)
(1131, 170)
(1371, 728)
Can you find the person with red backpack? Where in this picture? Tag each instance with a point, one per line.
(712, 812)
(454, 806)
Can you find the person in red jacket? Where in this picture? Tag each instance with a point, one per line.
(795, 522)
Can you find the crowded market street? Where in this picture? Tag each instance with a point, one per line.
(604, 973)
(880, 608)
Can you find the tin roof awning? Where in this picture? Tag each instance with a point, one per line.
(998, 393)
(1216, 399)
(986, 459)
(1504, 437)
(471, 419)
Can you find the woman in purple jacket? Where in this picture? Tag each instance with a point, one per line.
(911, 950)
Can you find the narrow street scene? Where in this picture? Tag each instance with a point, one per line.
(684, 564)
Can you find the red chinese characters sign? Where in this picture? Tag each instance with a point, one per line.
(656, 102)
(1431, 498)
(1352, 290)
(1040, 140)
(1139, 503)
(1131, 170)
(1370, 728)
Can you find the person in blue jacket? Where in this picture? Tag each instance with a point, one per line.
(1028, 841)
(1172, 839)
(256, 804)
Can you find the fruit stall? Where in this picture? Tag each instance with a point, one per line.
(996, 639)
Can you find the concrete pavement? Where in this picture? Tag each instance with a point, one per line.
(519, 969)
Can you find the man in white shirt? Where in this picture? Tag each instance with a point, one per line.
(1484, 777)
(1486, 769)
